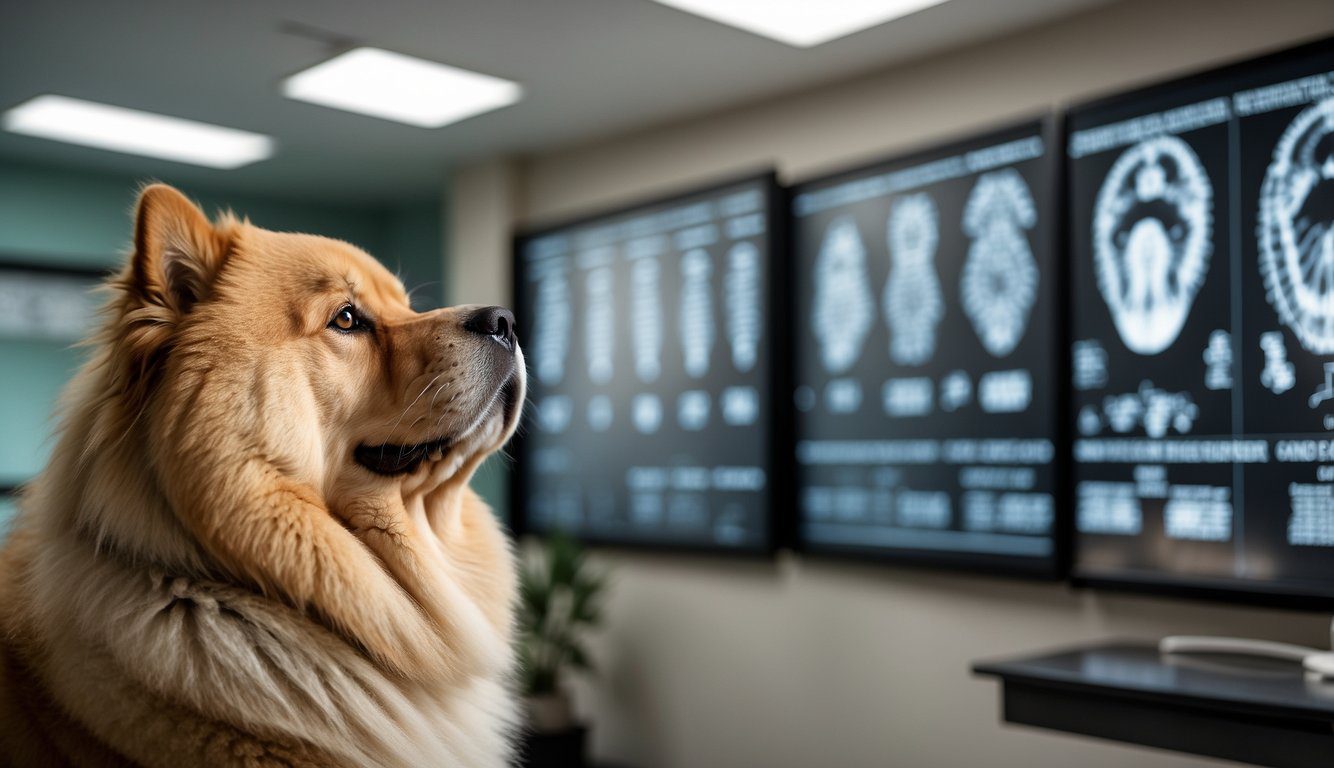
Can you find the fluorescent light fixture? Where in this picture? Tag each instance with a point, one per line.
(138, 133)
(802, 23)
(392, 86)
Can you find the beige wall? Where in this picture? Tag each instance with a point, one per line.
(707, 662)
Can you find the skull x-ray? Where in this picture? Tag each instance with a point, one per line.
(1152, 239)
(913, 302)
(843, 310)
(741, 288)
(600, 323)
(1202, 211)
(999, 284)
(696, 317)
(1296, 231)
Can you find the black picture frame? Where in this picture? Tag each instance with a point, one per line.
(1243, 73)
(1055, 566)
(779, 476)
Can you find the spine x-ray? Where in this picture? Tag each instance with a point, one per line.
(913, 302)
(551, 337)
(647, 328)
(697, 325)
(742, 289)
(842, 315)
(599, 323)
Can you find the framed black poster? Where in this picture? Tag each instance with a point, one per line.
(926, 354)
(1202, 255)
(653, 351)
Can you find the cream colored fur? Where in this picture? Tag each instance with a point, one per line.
(204, 575)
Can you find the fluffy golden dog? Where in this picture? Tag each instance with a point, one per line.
(255, 543)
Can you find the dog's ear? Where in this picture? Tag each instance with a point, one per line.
(177, 251)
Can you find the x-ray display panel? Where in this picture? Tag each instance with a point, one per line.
(649, 341)
(1202, 260)
(926, 300)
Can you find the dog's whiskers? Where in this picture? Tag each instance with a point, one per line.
(403, 414)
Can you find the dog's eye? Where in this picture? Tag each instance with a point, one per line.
(346, 320)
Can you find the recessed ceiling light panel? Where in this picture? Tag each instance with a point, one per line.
(802, 23)
(389, 85)
(137, 133)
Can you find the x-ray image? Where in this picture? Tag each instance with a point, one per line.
(696, 323)
(913, 302)
(554, 413)
(1152, 240)
(741, 287)
(843, 304)
(646, 412)
(551, 337)
(599, 323)
(1296, 231)
(999, 284)
(646, 330)
(692, 410)
(651, 417)
(889, 446)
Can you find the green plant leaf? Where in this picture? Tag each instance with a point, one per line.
(579, 658)
(559, 600)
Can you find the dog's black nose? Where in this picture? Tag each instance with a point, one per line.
(496, 322)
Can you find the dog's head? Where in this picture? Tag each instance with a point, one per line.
(312, 434)
(351, 390)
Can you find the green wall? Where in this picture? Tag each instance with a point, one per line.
(73, 218)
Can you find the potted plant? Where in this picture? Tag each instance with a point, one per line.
(559, 603)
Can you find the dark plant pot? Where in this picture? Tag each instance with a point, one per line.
(558, 749)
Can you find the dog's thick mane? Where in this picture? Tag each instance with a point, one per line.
(188, 597)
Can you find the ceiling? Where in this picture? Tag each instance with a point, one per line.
(590, 68)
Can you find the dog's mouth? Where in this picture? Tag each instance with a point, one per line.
(391, 459)
(394, 459)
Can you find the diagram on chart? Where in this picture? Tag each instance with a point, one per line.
(843, 309)
(551, 334)
(1089, 360)
(646, 331)
(1005, 391)
(1218, 360)
(843, 396)
(554, 412)
(1296, 230)
(1152, 240)
(913, 304)
(1278, 375)
(956, 391)
(1151, 408)
(999, 284)
(1090, 421)
(740, 406)
(741, 287)
(599, 324)
(1325, 391)
(1312, 521)
(692, 410)
(696, 317)
(646, 413)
